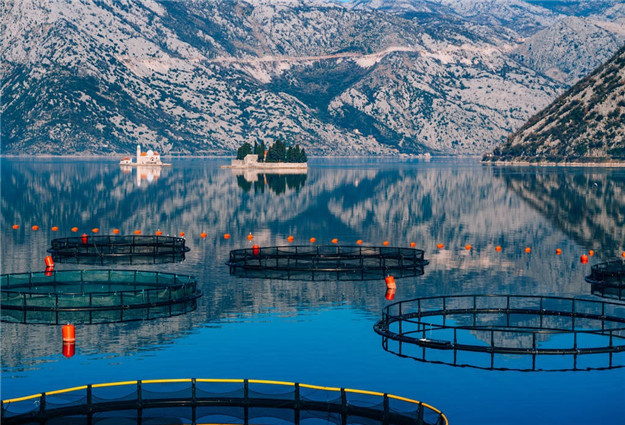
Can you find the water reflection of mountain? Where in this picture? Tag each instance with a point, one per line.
(589, 206)
(24, 346)
(455, 204)
(277, 183)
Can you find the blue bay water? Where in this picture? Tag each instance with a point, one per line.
(321, 332)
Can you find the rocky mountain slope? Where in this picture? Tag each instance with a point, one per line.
(572, 47)
(563, 40)
(585, 124)
(201, 77)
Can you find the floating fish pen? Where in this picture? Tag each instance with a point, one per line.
(607, 279)
(95, 296)
(231, 401)
(114, 249)
(507, 332)
(326, 262)
(317, 275)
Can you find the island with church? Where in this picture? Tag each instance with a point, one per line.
(149, 158)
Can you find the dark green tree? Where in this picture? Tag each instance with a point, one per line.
(277, 152)
(295, 154)
(244, 150)
(260, 151)
(292, 154)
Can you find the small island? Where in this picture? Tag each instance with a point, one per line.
(277, 157)
(149, 158)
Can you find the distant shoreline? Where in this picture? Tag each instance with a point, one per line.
(228, 157)
(555, 164)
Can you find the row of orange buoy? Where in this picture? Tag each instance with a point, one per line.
(97, 230)
(583, 258)
(528, 250)
(290, 239)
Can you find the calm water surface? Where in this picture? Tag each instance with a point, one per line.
(320, 332)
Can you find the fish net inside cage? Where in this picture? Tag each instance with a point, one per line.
(326, 262)
(323, 275)
(178, 401)
(123, 249)
(609, 274)
(606, 291)
(95, 296)
(607, 280)
(507, 332)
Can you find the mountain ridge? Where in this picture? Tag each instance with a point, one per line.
(200, 78)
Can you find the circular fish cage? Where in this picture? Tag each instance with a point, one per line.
(607, 279)
(507, 332)
(118, 249)
(326, 262)
(227, 401)
(95, 296)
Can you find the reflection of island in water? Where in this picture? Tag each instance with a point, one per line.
(277, 182)
(148, 173)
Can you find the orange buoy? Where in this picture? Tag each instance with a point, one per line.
(159, 233)
(49, 261)
(35, 227)
(359, 241)
(256, 250)
(583, 259)
(528, 249)
(203, 235)
(335, 240)
(69, 333)
(182, 234)
(54, 228)
(440, 246)
(49, 270)
(468, 247)
(290, 238)
(413, 244)
(115, 231)
(591, 253)
(313, 240)
(95, 230)
(250, 237)
(390, 282)
(69, 349)
(15, 226)
(498, 248)
(84, 238)
(137, 232)
(390, 294)
(558, 251)
(74, 229)
(623, 254)
(385, 243)
(226, 235)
